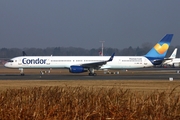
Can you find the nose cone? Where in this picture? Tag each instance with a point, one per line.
(6, 65)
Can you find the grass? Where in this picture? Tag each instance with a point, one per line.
(88, 103)
(89, 100)
(134, 85)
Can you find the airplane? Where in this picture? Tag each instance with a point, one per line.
(80, 64)
(172, 60)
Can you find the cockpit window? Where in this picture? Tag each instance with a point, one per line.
(10, 61)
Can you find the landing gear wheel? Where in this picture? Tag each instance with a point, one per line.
(22, 74)
(92, 74)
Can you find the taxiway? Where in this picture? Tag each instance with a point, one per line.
(142, 76)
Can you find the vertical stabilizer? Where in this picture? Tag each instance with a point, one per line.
(160, 49)
(173, 55)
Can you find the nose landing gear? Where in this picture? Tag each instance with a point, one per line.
(21, 71)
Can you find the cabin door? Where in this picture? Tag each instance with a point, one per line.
(48, 61)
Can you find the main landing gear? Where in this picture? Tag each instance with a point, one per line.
(91, 72)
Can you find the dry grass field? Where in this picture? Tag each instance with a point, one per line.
(88, 100)
(133, 85)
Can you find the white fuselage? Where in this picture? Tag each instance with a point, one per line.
(173, 61)
(118, 62)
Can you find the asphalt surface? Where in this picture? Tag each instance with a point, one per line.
(149, 76)
(143, 74)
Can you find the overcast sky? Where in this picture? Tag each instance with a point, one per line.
(83, 23)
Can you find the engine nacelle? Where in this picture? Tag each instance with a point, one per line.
(176, 65)
(157, 61)
(77, 69)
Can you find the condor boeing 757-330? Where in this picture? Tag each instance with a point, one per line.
(79, 64)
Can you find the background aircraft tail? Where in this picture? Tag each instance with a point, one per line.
(173, 55)
(168, 61)
(24, 53)
(160, 49)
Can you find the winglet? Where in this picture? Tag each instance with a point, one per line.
(111, 58)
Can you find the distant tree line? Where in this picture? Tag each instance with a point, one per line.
(73, 51)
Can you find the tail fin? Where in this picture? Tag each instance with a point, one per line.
(173, 55)
(160, 49)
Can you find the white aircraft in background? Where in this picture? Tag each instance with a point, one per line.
(172, 60)
(173, 55)
(80, 64)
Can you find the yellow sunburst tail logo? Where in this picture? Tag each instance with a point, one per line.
(160, 49)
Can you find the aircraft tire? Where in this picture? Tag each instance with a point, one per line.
(22, 74)
(92, 74)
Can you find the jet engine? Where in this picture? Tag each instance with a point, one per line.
(77, 69)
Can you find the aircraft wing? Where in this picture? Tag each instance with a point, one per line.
(97, 64)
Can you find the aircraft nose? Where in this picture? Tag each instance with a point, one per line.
(6, 65)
